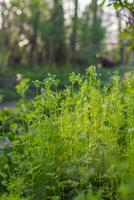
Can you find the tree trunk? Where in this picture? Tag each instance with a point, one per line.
(33, 40)
(74, 32)
(95, 8)
(121, 43)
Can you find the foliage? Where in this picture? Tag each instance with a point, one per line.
(119, 4)
(76, 144)
(125, 10)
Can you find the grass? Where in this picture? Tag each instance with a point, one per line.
(75, 144)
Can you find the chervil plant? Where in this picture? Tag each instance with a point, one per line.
(72, 144)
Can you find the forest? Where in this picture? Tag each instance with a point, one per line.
(66, 99)
(39, 32)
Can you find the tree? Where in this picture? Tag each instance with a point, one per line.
(4, 34)
(34, 22)
(125, 10)
(74, 32)
(57, 34)
(121, 42)
(120, 4)
(92, 33)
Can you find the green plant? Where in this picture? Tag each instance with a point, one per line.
(71, 144)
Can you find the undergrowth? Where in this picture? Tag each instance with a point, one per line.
(76, 144)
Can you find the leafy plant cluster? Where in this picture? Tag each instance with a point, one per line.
(76, 144)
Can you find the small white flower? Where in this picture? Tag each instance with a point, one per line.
(130, 130)
(92, 170)
(19, 77)
(82, 135)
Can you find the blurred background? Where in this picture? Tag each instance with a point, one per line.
(60, 36)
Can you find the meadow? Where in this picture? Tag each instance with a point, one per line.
(71, 144)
